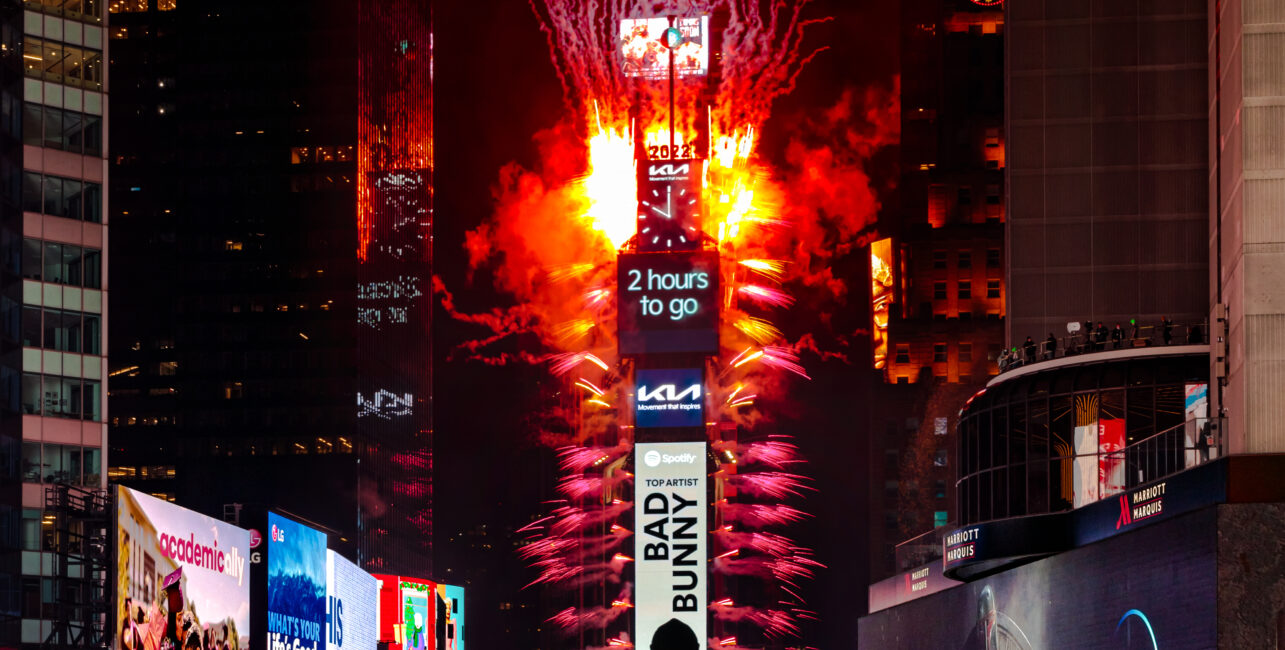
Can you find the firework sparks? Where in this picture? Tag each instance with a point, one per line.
(766, 295)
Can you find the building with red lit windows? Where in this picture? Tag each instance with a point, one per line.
(937, 278)
(276, 201)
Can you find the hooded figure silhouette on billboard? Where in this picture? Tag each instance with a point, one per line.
(674, 635)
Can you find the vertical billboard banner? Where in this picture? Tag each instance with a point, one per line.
(669, 398)
(296, 585)
(351, 596)
(671, 559)
(182, 577)
(1111, 459)
(450, 617)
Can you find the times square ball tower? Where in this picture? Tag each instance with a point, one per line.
(672, 526)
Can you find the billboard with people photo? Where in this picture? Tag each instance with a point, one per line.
(182, 579)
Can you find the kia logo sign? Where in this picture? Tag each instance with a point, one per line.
(669, 398)
(652, 458)
(669, 171)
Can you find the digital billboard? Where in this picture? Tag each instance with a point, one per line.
(671, 567)
(182, 578)
(351, 598)
(450, 618)
(1152, 588)
(646, 43)
(407, 613)
(296, 585)
(669, 398)
(668, 302)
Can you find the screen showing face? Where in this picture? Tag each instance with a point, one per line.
(668, 302)
(1148, 589)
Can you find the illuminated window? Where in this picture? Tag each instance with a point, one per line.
(300, 155)
(230, 245)
(939, 353)
(965, 290)
(939, 259)
(992, 288)
(127, 6)
(903, 353)
(233, 390)
(166, 5)
(939, 518)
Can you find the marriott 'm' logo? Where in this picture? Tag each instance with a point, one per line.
(1126, 517)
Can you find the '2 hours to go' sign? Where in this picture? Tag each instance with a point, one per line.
(668, 302)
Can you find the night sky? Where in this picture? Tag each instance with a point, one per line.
(495, 88)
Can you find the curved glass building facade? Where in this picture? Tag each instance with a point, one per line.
(1061, 434)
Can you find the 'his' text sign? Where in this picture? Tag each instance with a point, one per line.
(671, 569)
(668, 302)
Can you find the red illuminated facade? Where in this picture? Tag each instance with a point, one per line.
(394, 251)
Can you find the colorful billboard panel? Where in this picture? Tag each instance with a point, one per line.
(183, 579)
(1154, 587)
(671, 570)
(646, 43)
(668, 302)
(407, 613)
(451, 607)
(351, 605)
(669, 398)
(296, 585)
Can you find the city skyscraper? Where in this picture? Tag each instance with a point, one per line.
(53, 225)
(277, 199)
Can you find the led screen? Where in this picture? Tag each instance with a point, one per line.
(668, 302)
(1152, 588)
(296, 585)
(450, 617)
(671, 569)
(669, 398)
(351, 596)
(646, 53)
(408, 613)
(183, 577)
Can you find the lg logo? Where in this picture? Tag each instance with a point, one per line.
(278, 534)
(335, 620)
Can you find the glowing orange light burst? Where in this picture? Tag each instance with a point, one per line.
(573, 330)
(766, 295)
(772, 269)
(611, 186)
(758, 329)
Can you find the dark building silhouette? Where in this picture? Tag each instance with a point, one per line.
(275, 200)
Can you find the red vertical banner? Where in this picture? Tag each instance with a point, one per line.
(1111, 466)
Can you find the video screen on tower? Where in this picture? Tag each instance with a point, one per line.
(296, 585)
(668, 302)
(645, 50)
(183, 579)
(417, 614)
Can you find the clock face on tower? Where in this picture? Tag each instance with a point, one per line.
(669, 206)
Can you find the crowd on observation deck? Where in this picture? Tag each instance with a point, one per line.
(1088, 338)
